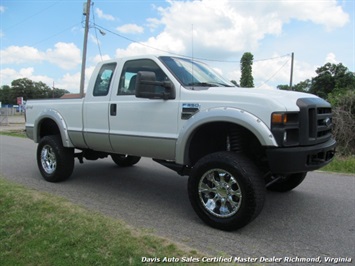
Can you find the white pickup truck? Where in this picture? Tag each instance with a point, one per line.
(232, 142)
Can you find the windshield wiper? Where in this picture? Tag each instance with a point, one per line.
(202, 84)
(209, 84)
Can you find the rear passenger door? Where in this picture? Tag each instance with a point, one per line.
(96, 109)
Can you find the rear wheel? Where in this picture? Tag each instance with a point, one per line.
(125, 160)
(55, 162)
(226, 190)
(287, 182)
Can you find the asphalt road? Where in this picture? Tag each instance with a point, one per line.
(315, 219)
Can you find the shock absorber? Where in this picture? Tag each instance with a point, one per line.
(236, 139)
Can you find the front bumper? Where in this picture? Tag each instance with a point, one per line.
(300, 159)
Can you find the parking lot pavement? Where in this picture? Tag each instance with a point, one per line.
(12, 122)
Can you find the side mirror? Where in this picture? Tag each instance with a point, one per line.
(147, 86)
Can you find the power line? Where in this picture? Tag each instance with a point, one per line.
(172, 53)
(31, 16)
(275, 73)
(97, 39)
(56, 34)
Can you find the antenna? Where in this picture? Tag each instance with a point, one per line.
(291, 74)
(192, 41)
(192, 53)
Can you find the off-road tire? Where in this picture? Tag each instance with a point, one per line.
(55, 162)
(230, 178)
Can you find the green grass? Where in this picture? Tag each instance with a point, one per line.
(341, 165)
(41, 229)
(14, 133)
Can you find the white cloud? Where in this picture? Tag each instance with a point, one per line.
(164, 42)
(104, 16)
(220, 29)
(98, 58)
(153, 23)
(326, 13)
(7, 75)
(2, 9)
(331, 58)
(64, 55)
(130, 28)
(270, 73)
(71, 82)
(21, 54)
(225, 29)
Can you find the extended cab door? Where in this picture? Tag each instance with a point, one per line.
(138, 126)
(96, 108)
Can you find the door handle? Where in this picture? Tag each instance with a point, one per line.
(113, 109)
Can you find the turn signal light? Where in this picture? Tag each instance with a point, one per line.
(278, 118)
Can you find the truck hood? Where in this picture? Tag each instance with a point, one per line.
(280, 100)
(259, 102)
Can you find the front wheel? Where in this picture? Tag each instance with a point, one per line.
(55, 162)
(226, 190)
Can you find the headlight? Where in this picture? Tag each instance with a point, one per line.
(285, 127)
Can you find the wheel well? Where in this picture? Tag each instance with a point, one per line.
(223, 136)
(48, 127)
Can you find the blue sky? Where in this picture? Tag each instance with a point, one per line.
(42, 40)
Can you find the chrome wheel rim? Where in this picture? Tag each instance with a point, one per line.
(48, 159)
(220, 193)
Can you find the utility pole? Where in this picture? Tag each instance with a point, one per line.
(291, 75)
(86, 12)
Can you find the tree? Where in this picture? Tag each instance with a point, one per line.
(246, 79)
(28, 89)
(331, 77)
(5, 94)
(303, 86)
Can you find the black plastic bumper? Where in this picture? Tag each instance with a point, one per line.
(300, 159)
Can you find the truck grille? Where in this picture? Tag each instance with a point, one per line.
(315, 121)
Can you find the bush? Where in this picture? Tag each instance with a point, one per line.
(344, 121)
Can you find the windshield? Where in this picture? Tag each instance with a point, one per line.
(194, 74)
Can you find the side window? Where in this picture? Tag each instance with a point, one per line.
(103, 80)
(130, 69)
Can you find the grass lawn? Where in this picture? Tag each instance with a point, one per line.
(341, 165)
(40, 229)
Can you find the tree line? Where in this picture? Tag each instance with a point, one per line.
(28, 89)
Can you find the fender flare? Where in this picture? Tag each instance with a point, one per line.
(59, 120)
(221, 114)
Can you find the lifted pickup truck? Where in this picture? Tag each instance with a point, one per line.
(232, 142)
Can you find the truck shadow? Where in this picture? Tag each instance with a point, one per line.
(146, 190)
